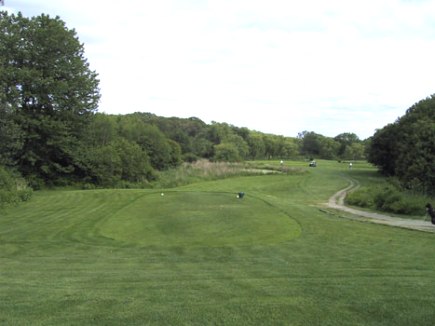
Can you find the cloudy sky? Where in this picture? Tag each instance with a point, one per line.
(276, 66)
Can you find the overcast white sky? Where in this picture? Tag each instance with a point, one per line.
(276, 66)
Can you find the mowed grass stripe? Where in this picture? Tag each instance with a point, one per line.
(336, 272)
(91, 215)
(64, 215)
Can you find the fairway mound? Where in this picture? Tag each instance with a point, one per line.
(337, 202)
(198, 219)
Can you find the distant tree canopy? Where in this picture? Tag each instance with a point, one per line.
(51, 133)
(406, 148)
(346, 146)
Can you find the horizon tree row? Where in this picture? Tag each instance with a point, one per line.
(52, 134)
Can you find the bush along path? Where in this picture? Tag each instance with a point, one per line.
(337, 202)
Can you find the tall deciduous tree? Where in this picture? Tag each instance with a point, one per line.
(383, 149)
(226, 152)
(48, 89)
(346, 140)
(310, 143)
(406, 149)
(257, 148)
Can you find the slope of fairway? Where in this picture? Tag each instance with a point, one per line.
(199, 218)
(200, 256)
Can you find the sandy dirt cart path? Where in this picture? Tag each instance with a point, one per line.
(337, 202)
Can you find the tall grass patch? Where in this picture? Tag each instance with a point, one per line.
(204, 170)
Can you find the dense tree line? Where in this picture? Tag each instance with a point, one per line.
(133, 147)
(406, 148)
(51, 132)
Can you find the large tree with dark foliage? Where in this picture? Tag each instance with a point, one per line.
(47, 90)
(406, 148)
(345, 140)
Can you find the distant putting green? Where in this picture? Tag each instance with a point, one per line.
(199, 219)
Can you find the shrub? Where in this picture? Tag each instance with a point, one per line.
(7, 197)
(25, 194)
(362, 197)
(226, 152)
(388, 198)
(190, 157)
(12, 190)
(6, 180)
(88, 186)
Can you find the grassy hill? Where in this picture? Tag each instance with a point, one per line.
(200, 256)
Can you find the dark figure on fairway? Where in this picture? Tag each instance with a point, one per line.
(431, 212)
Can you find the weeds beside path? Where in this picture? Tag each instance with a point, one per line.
(337, 202)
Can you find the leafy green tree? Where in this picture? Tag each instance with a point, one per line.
(383, 150)
(218, 132)
(102, 130)
(257, 149)
(49, 90)
(154, 142)
(202, 147)
(104, 165)
(120, 160)
(240, 144)
(416, 167)
(135, 163)
(226, 152)
(346, 139)
(182, 131)
(242, 132)
(354, 151)
(10, 136)
(310, 143)
(175, 153)
(406, 149)
(327, 147)
(149, 137)
(289, 148)
(273, 146)
(183, 140)
(130, 127)
(269, 146)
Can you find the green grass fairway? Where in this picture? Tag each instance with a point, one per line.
(200, 256)
(199, 219)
